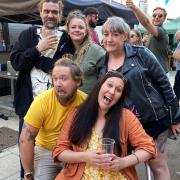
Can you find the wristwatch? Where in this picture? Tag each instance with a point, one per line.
(28, 175)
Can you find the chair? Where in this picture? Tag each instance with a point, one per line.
(148, 171)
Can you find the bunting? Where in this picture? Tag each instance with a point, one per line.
(166, 1)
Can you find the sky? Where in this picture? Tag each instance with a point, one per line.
(172, 7)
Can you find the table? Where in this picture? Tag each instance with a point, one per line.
(4, 103)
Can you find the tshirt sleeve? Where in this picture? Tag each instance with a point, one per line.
(178, 47)
(36, 113)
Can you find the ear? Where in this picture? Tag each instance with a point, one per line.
(78, 82)
(125, 36)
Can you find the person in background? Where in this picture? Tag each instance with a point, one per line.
(176, 56)
(135, 37)
(145, 39)
(91, 14)
(158, 37)
(87, 52)
(34, 54)
(148, 94)
(102, 115)
(45, 118)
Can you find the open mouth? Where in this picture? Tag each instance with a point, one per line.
(107, 99)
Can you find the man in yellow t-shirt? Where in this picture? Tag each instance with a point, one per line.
(45, 118)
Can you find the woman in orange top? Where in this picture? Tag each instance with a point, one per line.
(102, 115)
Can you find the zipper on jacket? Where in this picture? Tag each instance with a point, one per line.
(147, 96)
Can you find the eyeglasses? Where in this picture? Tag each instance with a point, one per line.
(159, 15)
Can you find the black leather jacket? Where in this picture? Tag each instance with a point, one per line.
(148, 86)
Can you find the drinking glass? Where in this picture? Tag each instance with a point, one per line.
(107, 145)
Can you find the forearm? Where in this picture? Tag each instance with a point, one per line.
(176, 55)
(72, 157)
(26, 149)
(136, 158)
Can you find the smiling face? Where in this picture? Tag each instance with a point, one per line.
(110, 93)
(64, 84)
(158, 17)
(50, 14)
(113, 41)
(77, 30)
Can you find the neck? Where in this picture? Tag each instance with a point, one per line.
(100, 123)
(77, 45)
(116, 60)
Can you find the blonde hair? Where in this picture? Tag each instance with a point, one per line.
(87, 39)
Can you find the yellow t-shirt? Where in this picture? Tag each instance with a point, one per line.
(48, 115)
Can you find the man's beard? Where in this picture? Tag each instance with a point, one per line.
(67, 99)
(50, 25)
(92, 24)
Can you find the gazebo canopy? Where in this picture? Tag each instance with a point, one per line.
(172, 26)
(20, 11)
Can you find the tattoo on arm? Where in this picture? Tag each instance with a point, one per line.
(30, 136)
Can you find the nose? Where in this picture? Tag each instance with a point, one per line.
(112, 90)
(109, 38)
(50, 14)
(58, 82)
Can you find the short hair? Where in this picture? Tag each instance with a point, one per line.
(53, 1)
(165, 12)
(116, 24)
(90, 11)
(76, 71)
(177, 35)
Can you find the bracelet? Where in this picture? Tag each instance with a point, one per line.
(138, 161)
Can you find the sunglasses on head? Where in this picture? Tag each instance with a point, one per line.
(159, 15)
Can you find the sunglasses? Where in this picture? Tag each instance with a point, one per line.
(159, 15)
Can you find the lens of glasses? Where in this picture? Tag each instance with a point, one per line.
(159, 15)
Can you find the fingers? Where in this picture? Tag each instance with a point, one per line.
(176, 129)
(49, 42)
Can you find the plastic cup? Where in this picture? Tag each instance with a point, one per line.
(107, 145)
(53, 32)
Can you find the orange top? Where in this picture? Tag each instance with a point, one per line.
(131, 133)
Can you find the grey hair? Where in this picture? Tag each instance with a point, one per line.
(76, 71)
(116, 24)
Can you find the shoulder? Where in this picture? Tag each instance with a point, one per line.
(81, 94)
(129, 120)
(96, 48)
(46, 95)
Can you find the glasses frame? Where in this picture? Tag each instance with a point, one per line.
(160, 15)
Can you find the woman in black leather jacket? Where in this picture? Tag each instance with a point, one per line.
(149, 93)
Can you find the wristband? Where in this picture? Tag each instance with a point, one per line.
(133, 153)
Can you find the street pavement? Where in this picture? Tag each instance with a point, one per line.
(9, 158)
